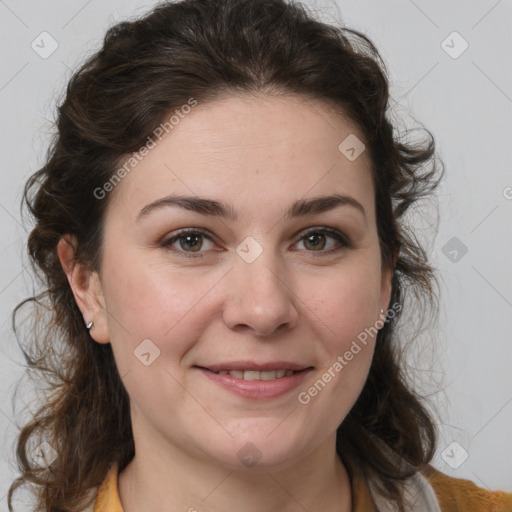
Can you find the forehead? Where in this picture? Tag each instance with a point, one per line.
(253, 151)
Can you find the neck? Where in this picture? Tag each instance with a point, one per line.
(157, 480)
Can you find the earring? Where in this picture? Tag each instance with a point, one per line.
(90, 325)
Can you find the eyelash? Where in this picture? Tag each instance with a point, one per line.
(343, 240)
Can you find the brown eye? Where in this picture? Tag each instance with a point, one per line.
(324, 241)
(315, 241)
(189, 242)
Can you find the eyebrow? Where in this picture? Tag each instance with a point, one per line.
(214, 208)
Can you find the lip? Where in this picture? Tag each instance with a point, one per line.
(258, 367)
(256, 389)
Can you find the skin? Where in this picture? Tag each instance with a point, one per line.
(295, 302)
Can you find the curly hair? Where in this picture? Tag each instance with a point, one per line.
(146, 69)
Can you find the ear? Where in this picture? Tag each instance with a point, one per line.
(387, 274)
(86, 287)
(385, 288)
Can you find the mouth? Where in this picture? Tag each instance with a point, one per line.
(257, 375)
(256, 381)
(250, 370)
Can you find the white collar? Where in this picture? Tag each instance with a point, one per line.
(417, 491)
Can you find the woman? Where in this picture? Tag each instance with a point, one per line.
(220, 229)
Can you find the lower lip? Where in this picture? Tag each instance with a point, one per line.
(257, 389)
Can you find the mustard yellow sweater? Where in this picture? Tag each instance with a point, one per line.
(453, 495)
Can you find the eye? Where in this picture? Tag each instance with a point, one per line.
(189, 241)
(323, 240)
(192, 242)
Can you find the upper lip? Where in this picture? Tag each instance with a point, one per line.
(254, 366)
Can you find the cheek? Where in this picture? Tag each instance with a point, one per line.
(345, 304)
(156, 302)
(169, 308)
(344, 317)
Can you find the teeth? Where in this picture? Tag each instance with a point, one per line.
(248, 375)
(254, 375)
(272, 374)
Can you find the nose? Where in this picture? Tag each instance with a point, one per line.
(259, 299)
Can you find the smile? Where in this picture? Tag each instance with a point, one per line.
(256, 375)
(257, 384)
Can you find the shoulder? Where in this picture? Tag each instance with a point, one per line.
(105, 497)
(459, 495)
(90, 508)
(93, 495)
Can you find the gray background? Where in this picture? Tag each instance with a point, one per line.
(465, 100)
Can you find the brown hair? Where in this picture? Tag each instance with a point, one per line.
(146, 69)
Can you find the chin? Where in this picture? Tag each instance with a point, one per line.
(259, 451)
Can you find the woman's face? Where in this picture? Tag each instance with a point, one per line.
(279, 270)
